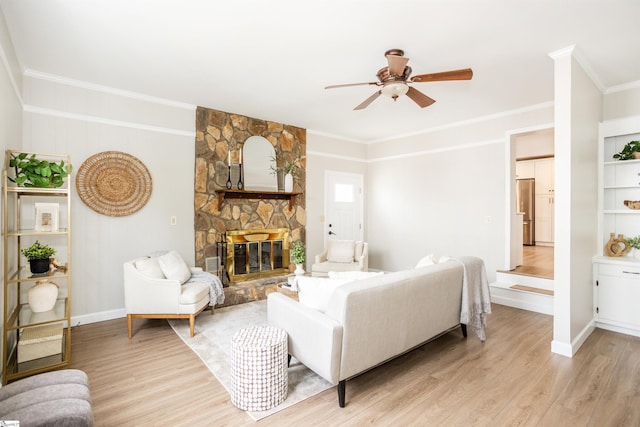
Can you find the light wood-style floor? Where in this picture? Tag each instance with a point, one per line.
(510, 379)
(536, 261)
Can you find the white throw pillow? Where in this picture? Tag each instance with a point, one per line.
(174, 267)
(315, 292)
(150, 267)
(427, 260)
(341, 251)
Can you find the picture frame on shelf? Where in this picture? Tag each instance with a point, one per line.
(47, 217)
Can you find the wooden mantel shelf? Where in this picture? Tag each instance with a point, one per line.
(254, 194)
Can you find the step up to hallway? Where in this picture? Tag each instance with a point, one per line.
(522, 291)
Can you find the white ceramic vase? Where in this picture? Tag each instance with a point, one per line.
(288, 183)
(299, 270)
(42, 296)
(636, 253)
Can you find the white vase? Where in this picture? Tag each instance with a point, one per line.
(42, 296)
(288, 183)
(299, 270)
(636, 253)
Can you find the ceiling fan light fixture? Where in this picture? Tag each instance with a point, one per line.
(395, 89)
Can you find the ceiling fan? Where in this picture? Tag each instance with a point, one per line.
(395, 79)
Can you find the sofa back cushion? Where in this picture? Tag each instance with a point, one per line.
(341, 250)
(174, 267)
(150, 267)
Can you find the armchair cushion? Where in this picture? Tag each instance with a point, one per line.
(341, 251)
(174, 267)
(150, 267)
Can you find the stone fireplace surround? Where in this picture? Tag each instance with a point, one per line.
(217, 134)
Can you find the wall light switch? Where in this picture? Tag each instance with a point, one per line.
(487, 220)
(173, 220)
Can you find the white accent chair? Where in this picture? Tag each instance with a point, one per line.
(158, 288)
(342, 255)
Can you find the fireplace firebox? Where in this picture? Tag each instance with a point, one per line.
(254, 254)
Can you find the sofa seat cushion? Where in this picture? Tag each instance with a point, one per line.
(63, 412)
(192, 292)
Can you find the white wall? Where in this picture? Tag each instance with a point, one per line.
(534, 144)
(81, 120)
(328, 153)
(577, 114)
(622, 102)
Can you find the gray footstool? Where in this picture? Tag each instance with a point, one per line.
(259, 368)
(57, 398)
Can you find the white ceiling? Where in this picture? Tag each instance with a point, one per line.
(272, 59)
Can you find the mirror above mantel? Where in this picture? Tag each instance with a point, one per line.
(259, 162)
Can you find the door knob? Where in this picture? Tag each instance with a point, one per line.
(331, 233)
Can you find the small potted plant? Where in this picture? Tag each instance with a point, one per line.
(298, 256)
(38, 256)
(630, 151)
(634, 242)
(33, 172)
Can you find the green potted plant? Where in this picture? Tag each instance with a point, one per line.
(629, 151)
(634, 242)
(38, 256)
(298, 256)
(33, 172)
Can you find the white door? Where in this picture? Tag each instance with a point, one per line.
(343, 206)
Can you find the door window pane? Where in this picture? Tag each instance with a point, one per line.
(343, 193)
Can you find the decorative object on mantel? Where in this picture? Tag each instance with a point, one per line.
(616, 246)
(114, 183)
(38, 256)
(630, 151)
(42, 296)
(298, 256)
(634, 243)
(632, 204)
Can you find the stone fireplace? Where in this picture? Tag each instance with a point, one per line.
(220, 137)
(255, 254)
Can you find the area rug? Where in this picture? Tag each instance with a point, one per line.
(212, 343)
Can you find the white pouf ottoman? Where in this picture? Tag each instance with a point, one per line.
(259, 378)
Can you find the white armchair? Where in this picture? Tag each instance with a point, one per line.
(158, 288)
(342, 255)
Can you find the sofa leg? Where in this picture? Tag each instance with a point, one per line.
(192, 324)
(342, 386)
(288, 360)
(212, 307)
(464, 329)
(129, 324)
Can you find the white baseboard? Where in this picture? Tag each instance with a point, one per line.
(98, 317)
(570, 349)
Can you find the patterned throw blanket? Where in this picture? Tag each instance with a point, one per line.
(476, 300)
(216, 295)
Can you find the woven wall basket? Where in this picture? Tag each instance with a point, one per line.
(114, 183)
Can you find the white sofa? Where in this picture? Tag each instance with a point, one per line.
(342, 255)
(372, 320)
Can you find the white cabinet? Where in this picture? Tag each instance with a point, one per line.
(525, 169)
(616, 294)
(545, 176)
(616, 280)
(544, 218)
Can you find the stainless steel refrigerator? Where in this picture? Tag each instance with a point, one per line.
(526, 203)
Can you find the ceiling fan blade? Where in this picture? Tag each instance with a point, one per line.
(352, 84)
(464, 74)
(396, 64)
(420, 98)
(368, 101)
